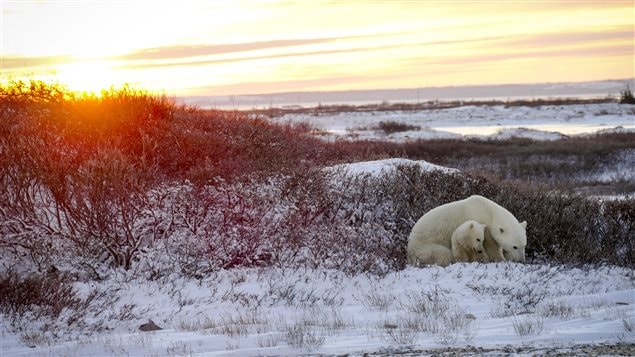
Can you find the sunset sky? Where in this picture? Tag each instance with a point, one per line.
(226, 47)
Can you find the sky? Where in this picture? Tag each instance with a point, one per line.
(232, 47)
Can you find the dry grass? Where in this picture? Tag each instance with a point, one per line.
(560, 310)
(526, 325)
(300, 335)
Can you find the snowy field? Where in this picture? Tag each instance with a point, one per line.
(488, 122)
(496, 308)
(465, 308)
(261, 312)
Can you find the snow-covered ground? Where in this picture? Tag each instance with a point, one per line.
(261, 312)
(497, 122)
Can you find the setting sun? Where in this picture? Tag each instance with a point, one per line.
(227, 47)
(86, 76)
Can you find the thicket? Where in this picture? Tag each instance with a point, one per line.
(390, 127)
(559, 164)
(129, 180)
(626, 96)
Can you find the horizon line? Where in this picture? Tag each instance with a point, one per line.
(631, 79)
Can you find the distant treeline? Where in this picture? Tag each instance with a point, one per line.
(428, 105)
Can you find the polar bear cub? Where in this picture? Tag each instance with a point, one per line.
(434, 254)
(467, 242)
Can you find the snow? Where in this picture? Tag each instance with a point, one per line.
(547, 122)
(526, 133)
(251, 312)
(378, 167)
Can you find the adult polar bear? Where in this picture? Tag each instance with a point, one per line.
(506, 238)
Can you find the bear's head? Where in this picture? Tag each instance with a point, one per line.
(511, 238)
(476, 234)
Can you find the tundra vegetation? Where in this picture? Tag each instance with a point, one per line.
(127, 182)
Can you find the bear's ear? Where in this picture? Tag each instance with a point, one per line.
(523, 224)
(472, 225)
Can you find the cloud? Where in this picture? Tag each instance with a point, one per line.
(187, 51)
(258, 57)
(611, 50)
(617, 41)
(572, 38)
(31, 62)
(186, 58)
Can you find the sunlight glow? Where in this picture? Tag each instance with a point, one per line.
(87, 76)
(239, 47)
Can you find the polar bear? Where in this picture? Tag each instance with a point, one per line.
(493, 250)
(505, 237)
(434, 254)
(467, 242)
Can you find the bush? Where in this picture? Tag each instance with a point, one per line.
(626, 96)
(38, 295)
(390, 127)
(76, 170)
(527, 325)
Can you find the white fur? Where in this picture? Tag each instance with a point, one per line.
(467, 242)
(432, 254)
(507, 236)
(492, 249)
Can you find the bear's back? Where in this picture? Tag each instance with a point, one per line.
(438, 224)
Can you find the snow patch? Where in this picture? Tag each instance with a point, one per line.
(377, 167)
(526, 133)
(470, 120)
